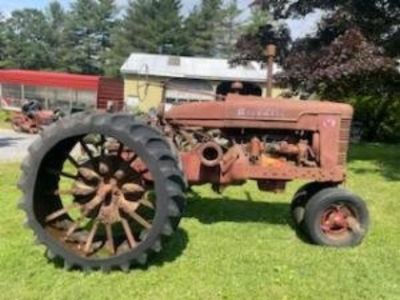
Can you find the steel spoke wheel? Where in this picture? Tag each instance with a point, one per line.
(102, 192)
(335, 217)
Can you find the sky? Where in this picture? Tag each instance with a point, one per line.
(299, 27)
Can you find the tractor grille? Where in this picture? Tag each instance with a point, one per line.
(344, 138)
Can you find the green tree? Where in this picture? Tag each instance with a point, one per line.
(260, 30)
(152, 26)
(378, 20)
(87, 35)
(56, 17)
(27, 40)
(201, 28)
(351, 57)
(106, 22)
(229, 29)
(2, 41)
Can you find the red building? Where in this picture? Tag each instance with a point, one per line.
(68, 92)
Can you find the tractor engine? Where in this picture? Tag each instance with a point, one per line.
(243, 138)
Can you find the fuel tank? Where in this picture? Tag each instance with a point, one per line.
(250, 111)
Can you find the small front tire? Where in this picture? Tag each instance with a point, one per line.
(300, 199)
(335, 217)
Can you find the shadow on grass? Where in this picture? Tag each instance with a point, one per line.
(224, 209)
(208, 210)
(172, 249)
(9, 141)
(385, 160)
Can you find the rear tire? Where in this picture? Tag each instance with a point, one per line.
(335, 217)
(42, 199)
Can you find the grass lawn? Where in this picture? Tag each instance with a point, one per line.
(239, 245)
(5, 120)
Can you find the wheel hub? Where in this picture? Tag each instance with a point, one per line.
(335, 219)
(109, 190)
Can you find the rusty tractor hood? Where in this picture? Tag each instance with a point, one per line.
(249, 108)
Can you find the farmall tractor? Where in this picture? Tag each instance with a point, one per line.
(105, 191)
(32, 118)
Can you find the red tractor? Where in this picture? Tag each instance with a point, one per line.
(33, 118)
(115, 206)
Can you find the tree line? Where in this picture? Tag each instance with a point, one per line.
(95, 36)
(352, 56)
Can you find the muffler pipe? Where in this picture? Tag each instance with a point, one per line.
(211, 154)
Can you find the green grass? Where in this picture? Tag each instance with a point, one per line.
(236, 246)
(4, 119)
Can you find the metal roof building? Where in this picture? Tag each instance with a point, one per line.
(193, 68)
(149, 78)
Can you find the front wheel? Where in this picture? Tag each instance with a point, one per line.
(302, 196)
(336, 217)
(102, 191)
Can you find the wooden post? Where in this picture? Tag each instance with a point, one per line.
(270, 53)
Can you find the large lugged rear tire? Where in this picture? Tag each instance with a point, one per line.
(127, 189)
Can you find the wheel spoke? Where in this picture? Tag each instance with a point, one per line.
(104, 168)
(138, 218)
(120, 149)
(61, 212)
(89, 153)
(110, 239)
(132, 188)
(89, 242)
(89, 174)
(73, 228)
(73, 161)
(147, 203)
(128, 233)
(102, 145)
(92, 204)
(132, 159)
(81, 189)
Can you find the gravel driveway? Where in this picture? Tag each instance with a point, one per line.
(14, 146)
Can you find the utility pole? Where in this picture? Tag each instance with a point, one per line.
(270, 53)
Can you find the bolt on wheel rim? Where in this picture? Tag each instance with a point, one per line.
(107, 203)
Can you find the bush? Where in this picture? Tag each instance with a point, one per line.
(379, 116)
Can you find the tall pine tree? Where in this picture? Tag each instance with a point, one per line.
(202, 28)
(151, 26)
(56, 17)
(229, 29)
(2, 41)
(106, 22)
(87, 35)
